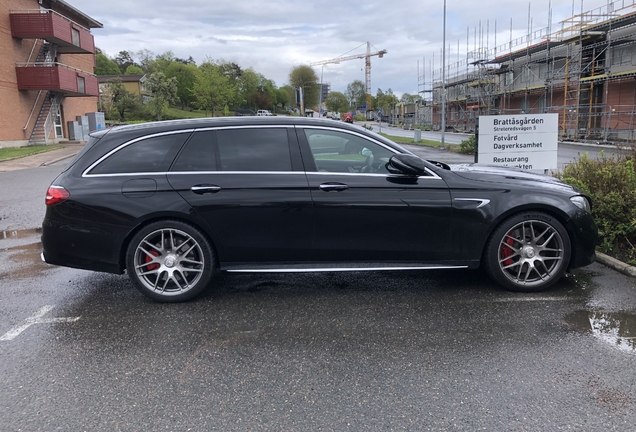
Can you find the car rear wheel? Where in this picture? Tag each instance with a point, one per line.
(528, 252)
(170, 261)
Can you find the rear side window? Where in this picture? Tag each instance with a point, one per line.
(254, 149)
(89, 144)
(152, 154)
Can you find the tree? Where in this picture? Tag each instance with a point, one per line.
(186, 75)
(386, 100)
(164, 92)
(105, 66)
(336, 101)
(248, 84)
(133, 70)
(118, 98)
(356, 94)
(123, 60)
(304, 77)
(144, 57)
(212, 89)
(188, 61)
(265, 94)
(160, 63)
(410, 99)
(230, 70)
(283, 96)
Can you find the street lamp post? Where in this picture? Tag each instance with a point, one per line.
(443, 78)
(322, 69)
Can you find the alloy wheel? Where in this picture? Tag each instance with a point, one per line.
(531, 253)
(169, 262)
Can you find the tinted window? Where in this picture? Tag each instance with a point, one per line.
(153, 154)
(198, 154)
(264, 149)
(343, 152)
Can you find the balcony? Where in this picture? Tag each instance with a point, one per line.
(69, 36)
(56, 77)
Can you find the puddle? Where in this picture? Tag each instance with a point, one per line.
(615, 328)
(26, 262)
(16, 234)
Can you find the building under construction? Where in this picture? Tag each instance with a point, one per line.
(585, 71)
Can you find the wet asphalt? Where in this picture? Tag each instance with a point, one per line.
(434, 351)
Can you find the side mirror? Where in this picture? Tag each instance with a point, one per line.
(406, 164)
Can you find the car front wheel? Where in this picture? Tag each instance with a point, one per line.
(170, 261)
(528, 252)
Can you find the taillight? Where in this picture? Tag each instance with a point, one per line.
(55, 195)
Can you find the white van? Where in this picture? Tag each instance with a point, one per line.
(263, 113)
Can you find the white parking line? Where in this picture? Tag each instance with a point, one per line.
(35, 319)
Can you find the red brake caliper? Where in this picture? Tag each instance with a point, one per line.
(153, 266)
(507, 251)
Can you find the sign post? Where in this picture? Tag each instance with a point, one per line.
(526, 141)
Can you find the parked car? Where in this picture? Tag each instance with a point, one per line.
(263, 113)
(347, 117)
(243, 112)
(173, 202)
(334, 115)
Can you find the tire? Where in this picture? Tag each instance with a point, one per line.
(528, 252)
(170, 261)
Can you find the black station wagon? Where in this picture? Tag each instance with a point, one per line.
(173, 202)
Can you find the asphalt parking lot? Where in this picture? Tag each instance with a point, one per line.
(435, 350)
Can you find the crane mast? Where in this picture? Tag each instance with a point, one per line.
(367, 66)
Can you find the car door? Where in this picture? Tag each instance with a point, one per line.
(249, 185)
(362, 212)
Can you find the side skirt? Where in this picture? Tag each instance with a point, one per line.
(312, 269)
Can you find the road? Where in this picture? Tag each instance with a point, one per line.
(371, 351)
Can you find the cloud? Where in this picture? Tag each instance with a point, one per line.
(273, 36)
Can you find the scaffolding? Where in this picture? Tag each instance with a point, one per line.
(585, 71)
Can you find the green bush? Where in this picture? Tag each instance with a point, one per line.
(611, 183)
(359, 117)
(468, 146)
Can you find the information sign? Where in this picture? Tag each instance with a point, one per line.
(526, 141)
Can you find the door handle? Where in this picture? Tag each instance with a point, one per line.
(338, 187)
(205, 189)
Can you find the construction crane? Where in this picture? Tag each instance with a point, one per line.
(367, 61)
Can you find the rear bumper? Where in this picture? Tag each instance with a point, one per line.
(87, 247)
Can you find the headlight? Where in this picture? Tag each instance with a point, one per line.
(582, 203)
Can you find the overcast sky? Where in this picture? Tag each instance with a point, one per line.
(272, 36)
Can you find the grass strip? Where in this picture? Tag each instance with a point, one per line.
(422, 142)
(16, 152)
(186, 114)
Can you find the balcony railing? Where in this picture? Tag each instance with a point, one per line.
(56, 77)
(53, 27)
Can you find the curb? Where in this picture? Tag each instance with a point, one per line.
(617, 265)
(51, 162)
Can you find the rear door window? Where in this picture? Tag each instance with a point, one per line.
(199, 154)
(152, 154)
(254, 149)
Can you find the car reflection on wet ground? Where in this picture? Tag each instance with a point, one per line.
(364, 351)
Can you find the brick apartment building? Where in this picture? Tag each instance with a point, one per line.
(47, 56)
